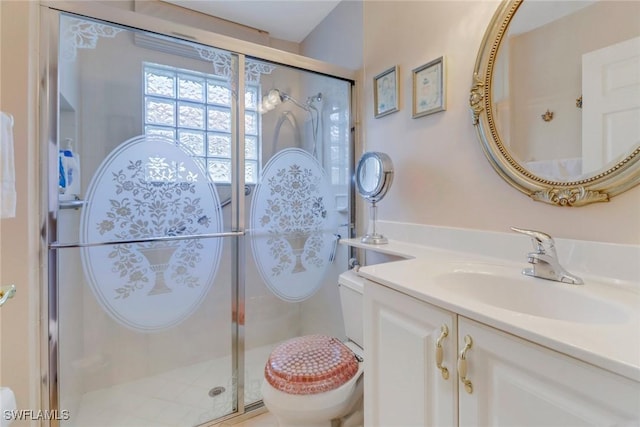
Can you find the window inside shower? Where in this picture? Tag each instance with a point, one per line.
(195, 109)
(169, 282)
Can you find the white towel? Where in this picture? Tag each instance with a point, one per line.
(7, 168)
(7, 404)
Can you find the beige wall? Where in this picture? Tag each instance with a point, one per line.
(19, 258)
(338, 38)
(442, 177)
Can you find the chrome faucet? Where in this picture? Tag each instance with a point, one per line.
(545, 259)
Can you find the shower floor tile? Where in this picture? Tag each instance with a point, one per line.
(178, 398)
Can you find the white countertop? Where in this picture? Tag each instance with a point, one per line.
(614, 346)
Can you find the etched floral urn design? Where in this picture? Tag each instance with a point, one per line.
(158, 256)
(149, 188)
(297, 240)
(292, 222)
(156, 198)
(295, 212)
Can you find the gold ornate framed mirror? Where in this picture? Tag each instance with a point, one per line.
(556, 98)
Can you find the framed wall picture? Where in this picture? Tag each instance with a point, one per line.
(429, 95)
(386, 92)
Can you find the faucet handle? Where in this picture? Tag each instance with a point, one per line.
(539, 240)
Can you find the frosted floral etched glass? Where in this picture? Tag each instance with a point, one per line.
(147, 188)
(293, 221)
(82, 34)
(222, 64)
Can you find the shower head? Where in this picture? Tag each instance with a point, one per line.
(276, 96)
(315, 98)
(270, 101)
(286, 97)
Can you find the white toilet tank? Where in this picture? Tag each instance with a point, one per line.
(351, 288)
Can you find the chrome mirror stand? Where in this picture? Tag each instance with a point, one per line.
(373, 178)
(373, 237)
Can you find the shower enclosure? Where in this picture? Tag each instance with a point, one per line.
(214, 184)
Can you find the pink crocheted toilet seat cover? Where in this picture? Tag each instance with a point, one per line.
(310, 364)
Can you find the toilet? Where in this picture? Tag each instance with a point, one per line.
(316, 379)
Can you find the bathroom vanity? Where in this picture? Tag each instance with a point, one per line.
(508, 380)
(457, 338)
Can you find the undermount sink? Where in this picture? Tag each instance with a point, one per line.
(502, 288)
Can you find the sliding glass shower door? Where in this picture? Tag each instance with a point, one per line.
(146, 270)
(296, 215)
(196, 197)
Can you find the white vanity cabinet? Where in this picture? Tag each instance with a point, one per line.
(518, 383)
(403, 385)
(513, 382)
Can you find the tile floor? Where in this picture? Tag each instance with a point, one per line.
(178, 398)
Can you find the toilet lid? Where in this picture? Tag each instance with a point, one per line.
(310, 364)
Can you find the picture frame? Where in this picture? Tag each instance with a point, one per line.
(429, 88)
(386, 92)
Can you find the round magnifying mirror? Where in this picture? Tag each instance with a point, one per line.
(368, 181)
(374, 174)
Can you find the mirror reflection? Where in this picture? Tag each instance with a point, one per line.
(566, 86)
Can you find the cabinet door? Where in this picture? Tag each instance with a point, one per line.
(403, 385)
(518, 383)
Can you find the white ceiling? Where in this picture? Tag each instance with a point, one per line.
(290, 20)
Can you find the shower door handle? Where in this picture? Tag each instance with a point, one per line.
(7, 292)
(336, 241)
